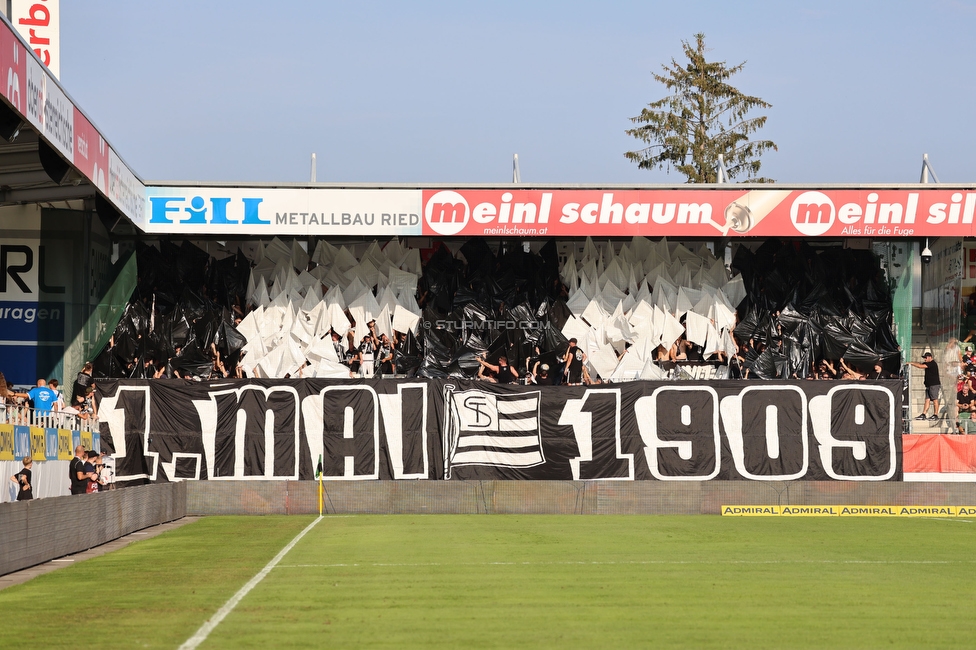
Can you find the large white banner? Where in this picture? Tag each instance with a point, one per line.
(280, 211)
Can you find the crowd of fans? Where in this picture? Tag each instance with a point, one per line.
(89, 471)
(45, 404)
(375, 355)
(806, 315)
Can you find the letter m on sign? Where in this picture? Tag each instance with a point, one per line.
(448, 213)
(813, 213)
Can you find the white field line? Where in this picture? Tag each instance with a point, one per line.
(624, 562)
(214, 621)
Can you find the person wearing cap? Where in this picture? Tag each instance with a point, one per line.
(933, 385)
(541, 376)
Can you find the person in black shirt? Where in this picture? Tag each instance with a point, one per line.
(933, 385)
(82, 382)
(573, 362)
(504, 373)
(877, 372)
(91, 471)
(541, 377)
(76, 472)
(384, 356)
(965, 398)
(966, 402)
(23, 481)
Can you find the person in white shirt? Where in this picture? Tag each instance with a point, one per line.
(59, 401)
(106, 472)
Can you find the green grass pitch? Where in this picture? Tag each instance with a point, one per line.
(518, 581)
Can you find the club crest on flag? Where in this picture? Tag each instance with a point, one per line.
(495, 429)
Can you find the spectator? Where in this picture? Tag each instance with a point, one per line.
(573, 361)
(59, 401)
(152, 372)
(590, 380)
(339, 349)
(92, 471)
(217, 368)
(877, 372)
(82, 382)
(43, 398)
(8, 398)
(106, 475)
(970, 378)
(966, 403)
(969, 313)
(933, 385)
(23, 481)
(504, 373)
(85, 406)
(385, 356)
(367, 351)
(850, 373)
(485, 371)
(541, 376)
(76, 472)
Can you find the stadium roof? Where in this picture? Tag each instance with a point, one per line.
(50, 152)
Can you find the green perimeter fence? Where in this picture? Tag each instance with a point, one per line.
(34, 532)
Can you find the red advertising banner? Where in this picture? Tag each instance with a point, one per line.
(13, 70)
(925, 453)
(91, 152)
(730, 212)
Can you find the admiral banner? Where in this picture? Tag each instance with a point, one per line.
(848, 511)
(456, 429)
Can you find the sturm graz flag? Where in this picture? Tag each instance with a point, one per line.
(494, 430)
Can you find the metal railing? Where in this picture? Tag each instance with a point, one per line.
(21, 414)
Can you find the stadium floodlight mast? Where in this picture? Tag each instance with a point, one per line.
(516, 172)
(722, 172)
(312, 175)
(927, 170)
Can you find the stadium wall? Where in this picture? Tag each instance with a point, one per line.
(554, 497)
(44, 529)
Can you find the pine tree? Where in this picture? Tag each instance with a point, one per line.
(702, 118)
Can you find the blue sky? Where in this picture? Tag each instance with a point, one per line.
(446, 92)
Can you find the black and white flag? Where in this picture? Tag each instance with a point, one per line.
(495, 429)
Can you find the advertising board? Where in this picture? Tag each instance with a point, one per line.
(281, 211)
(39, 23)
(878, 213)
